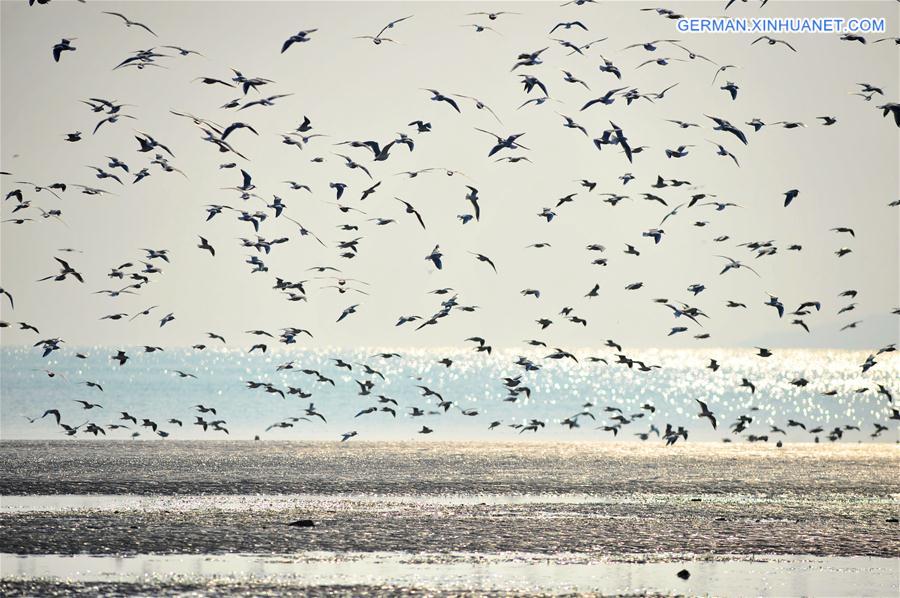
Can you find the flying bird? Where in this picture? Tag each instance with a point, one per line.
(129, 23)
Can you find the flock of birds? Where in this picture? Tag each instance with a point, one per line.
(29, 203)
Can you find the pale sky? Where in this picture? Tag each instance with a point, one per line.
(353, 90)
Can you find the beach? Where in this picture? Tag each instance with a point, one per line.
(477, 518)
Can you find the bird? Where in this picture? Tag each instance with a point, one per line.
(481, 28)
(437, 96)
(508, 142)
(479, 105)
(347, 311)
(129, 23)
(377, 39)
(436, 257)
(65, 271)
(892, 108)
(204, 244)
(54, 413)
(472, 197)
(235, 126)
(705, 412)
(772, 41)
(267, 101)
(605, 99)
(88, 405)
(778, 305)
(790, 196)
(300, 37)
(485, 259)
(734, 265)
(65, 45)
(721, 151)
(570, 78)
(411, 210)
(724, 125)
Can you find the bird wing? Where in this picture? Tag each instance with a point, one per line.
(147, 28)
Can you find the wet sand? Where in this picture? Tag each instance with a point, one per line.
(467, 574)
(422, 518)
(437, 468)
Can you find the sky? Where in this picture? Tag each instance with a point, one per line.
(352, 89)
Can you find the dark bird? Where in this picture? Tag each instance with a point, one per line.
(724, 125)
(705, 412)
(411, 210)
(484, 258)
(437, 96)
(63, 46)
(298, 38)
(891, 108)
(790, 196)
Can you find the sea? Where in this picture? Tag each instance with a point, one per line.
(790, 385)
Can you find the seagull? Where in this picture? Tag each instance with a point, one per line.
(570, 78)
(705, 412)
(298, 38)
(347, 312)
(481, 28)
(772, 41)
(377, 39)
(64, 272)
(411, 210)
(790, 196)
(129, 22)
(508, 142)
(437, 96)
(436, 257)
(492, 15)
(472, 197)
(54, 413)
(778, 305)
(731, 88)
(87, 405)
(269, 101)
(605, 99)
(569, 25)
(734, 265)
(724, 125)
(721, 151)
(479, 105)
(234, 126)
(63, 46)
(183, 51)
(891, 108)
(204, 244)
(484, 258)
(529, 59)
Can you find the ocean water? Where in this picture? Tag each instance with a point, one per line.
(448, 518)
(148, 387)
